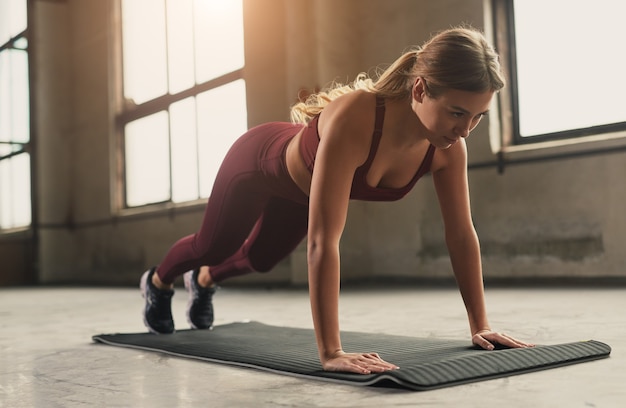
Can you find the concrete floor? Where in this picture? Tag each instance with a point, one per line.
(47, 358)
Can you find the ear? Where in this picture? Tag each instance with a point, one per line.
(419, 89)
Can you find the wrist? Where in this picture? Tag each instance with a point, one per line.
(481, 331)
(330, 354)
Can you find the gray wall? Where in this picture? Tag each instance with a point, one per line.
(547, 219)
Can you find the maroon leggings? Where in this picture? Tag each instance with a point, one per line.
(256, 215)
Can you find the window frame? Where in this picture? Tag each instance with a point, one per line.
(504, 23)
(127, 112)
(26, 148)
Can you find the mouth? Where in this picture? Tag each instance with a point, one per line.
(450, 140)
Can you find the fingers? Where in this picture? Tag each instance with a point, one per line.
(509, 341)
(376, 364)
(486, 340)
(482, 342)
(360, 363)
(368, 363)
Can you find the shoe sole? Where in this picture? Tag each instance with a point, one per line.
(187, 277)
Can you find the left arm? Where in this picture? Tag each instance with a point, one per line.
(451, 185)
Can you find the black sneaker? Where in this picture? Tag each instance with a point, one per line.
(200, 306)
(157, 315)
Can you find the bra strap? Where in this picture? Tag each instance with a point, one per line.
(378, 132)
(380, 115)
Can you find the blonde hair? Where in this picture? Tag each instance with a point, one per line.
(457, 58)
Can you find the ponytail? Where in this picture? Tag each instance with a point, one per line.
(458, 58)
(303, 112)
(396, 81)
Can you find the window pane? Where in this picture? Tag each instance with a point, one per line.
(147, 160)
(145, 68)
(170, 46)
(14, 109)
(219, 38)
(184, 150)
(12, 19)
(180, 43)
(15, 206)
(570, 67)
(222, 118)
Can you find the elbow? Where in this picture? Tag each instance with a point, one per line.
(462, 237)
(314, 252)
(320, 252)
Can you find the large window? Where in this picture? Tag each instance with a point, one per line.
(15, 194)
(567, 65)
(184, 95)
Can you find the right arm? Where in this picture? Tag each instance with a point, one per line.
(345, 136)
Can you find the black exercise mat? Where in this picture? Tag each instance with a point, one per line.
(425, 363)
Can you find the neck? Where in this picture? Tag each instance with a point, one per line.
(405, 123)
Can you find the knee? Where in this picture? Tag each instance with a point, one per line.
(261, 267)
(264, 261)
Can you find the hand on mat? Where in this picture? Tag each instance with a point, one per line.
(360, 363)
(487, 339)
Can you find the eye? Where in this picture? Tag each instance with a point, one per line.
(479, 116)
(457, 114)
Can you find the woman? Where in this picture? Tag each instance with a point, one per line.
(368, 141)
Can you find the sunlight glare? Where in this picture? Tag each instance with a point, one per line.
(570, 75)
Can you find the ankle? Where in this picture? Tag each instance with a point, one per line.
(158, 283)
(204, 278)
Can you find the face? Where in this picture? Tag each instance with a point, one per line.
(450, 116)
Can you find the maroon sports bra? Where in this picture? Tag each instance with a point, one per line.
(310, 141)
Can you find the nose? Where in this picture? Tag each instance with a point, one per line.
(463, 129)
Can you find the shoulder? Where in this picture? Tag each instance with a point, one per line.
(345, 128)
(354, 99)
(453, 159)
(351, 113)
